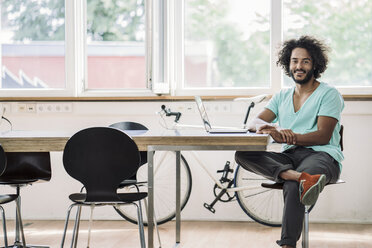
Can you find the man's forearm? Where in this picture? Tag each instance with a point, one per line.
(313, 138)
(256, 121)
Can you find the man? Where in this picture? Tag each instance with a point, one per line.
(309, 124)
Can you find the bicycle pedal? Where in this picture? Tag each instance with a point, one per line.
(225, 180)
(210, 208)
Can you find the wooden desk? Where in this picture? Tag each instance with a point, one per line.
(172, 140)
(153, 140)
(34, 141)
(45, 141)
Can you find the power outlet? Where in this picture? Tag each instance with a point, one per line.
(184, 108)
(31, 108)
(26, 107)
(54, 107)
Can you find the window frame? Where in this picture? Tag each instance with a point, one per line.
(76, 60)
(69, 89)
(164, 52)
(276, 74)
(82, 90)
(178, 89)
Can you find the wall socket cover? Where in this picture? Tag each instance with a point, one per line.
(54, 107)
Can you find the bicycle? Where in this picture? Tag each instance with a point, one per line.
(263, 205)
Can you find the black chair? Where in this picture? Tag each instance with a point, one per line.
(101, 158)
(132, 181)
(134, 126)
(22, 169)
(6, 199)
(125, 126)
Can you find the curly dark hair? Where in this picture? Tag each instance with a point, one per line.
(317, 50)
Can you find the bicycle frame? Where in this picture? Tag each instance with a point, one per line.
(216, 181)
(200, 163)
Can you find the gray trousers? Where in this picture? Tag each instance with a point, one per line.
(301, 159)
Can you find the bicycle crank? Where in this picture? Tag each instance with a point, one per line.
(219, 196)
(225, 197)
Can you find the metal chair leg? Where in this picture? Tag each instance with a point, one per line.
(305, 230)
(19, 233)
(90, 223)
(4, 227)
(19, 220)
(66, 224)
(141, 227)
(155, 222)
(75, 233)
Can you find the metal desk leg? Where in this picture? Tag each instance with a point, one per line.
(178, 196)
(150, 214)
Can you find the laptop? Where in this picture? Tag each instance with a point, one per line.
(207, 124)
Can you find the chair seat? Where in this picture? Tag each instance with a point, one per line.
(130, 182)
(127, 182)
(124, 198)
(272, 185)
(7, 198)
(20, 169)
(338, 181)
(17, 181)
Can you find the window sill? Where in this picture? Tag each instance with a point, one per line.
(150, 98)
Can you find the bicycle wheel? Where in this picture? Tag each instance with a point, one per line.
(164, 189)
(261, 204)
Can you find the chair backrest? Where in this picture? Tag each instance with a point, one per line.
(101, 158)
(2, 160)
(129, 125)
(26, 167)
(341, 137)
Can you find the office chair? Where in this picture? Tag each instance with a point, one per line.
(22, 169)
(130, 126)
(6, 199)
(305, 230)
(101, 158)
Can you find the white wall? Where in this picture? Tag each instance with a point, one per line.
(350, 202)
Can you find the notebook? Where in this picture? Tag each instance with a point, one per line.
(207, 124)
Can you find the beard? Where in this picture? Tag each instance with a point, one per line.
(307, 78)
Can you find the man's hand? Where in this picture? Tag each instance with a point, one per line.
(279, 135)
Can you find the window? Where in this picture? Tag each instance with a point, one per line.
(115, 45)
(32, 44)
(183, 47)
(73, 48)
(346, 25)
(227, 43)
(226, 46)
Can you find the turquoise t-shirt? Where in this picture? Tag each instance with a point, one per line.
(324, 101)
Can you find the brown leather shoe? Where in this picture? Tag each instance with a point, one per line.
(310, 187)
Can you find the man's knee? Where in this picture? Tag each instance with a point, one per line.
(243, 156)
(244, 159)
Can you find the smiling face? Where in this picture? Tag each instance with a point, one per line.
(301, 66)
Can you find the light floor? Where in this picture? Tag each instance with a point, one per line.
(194, 234)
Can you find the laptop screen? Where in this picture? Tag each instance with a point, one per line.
(203, 113)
